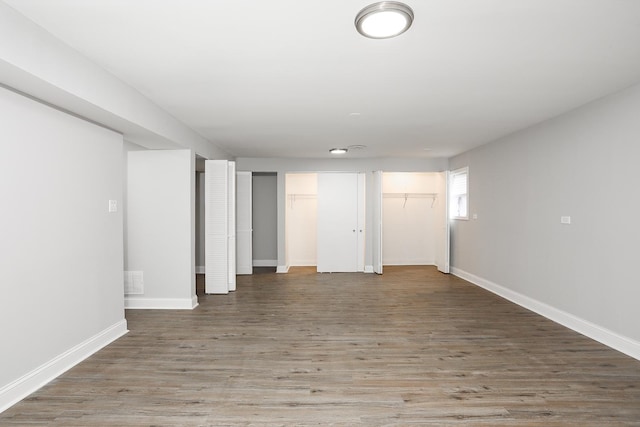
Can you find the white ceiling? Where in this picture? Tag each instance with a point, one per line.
(285, 78)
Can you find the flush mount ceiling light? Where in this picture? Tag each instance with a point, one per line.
(384, 19)
(338, 150)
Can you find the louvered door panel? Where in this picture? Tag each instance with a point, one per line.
(216, 227)
(232, 226)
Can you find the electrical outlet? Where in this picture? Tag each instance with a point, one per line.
(113, 206)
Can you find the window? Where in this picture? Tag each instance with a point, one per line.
(459, 194)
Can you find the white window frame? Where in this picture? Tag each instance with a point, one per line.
(454, 207)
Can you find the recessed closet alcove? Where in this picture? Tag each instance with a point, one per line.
(325, 221)
(301, 219)
(410, 203)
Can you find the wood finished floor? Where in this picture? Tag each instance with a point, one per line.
(411, 347)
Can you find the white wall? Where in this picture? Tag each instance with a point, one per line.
(265, 219)
(73, 82)
(341, 165)
(302, 219)
(61, 264)
(161, 227)
(126, 147)
(583, 164)
(409, 226)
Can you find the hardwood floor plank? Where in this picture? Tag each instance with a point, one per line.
(411, 347)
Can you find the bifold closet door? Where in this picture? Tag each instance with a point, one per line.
(231, 226)
(376, 233)
(216, 226)
(442, 223)
(220, 251)
(244, 231)
(338, 231)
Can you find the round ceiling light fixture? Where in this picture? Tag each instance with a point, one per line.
(384, 19)
(338, 150)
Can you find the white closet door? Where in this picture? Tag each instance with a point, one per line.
(361, 220)
(232, 226)
(337, 222)
(244, 232)
(442, 223)
(376, 233)
(216, 227)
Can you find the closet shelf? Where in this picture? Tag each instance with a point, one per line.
(406, 196)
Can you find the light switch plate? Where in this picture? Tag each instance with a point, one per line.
(565, 220)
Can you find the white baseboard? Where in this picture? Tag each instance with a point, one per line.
(265, 262)
(282, 269)
(368, 268)
(160, 303)
(408, 262)
(17, 390)
(303, 263)
(200, 269)
(605, 336)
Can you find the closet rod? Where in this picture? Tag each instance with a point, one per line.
(409, 195)
(302, 196)
(295, 196)
(406, 196)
